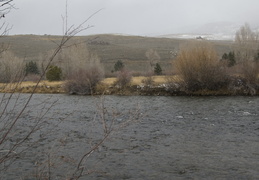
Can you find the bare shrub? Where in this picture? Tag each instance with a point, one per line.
(153, 58)
(200, 68)
(246, 44)
(76, 57)
(250, 71)
(11, 67)
(148, 80)
(84, 81)
(124, 78)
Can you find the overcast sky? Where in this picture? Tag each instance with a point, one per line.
(136, 17)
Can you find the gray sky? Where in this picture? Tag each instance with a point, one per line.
(136, 17)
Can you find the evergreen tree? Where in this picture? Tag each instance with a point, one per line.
(54, 73)
(225, 56)
(157, 69)
(31, 68)
(231, 59)
(118, 66)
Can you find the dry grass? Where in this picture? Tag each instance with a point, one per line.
(28, 86)
(47, 83)
(138, 80)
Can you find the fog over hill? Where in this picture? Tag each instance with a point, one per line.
(210, 31)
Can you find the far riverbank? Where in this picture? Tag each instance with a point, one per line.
(161, 86)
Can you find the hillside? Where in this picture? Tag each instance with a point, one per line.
(110, 48)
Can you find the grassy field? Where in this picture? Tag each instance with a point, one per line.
(109, 48)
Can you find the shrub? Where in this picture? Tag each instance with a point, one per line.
(31, 68)
(118, 66)
(84, 81)
(250, 71)
(124, 78)
(54, 73)
(230, 58)
(157, 69)
(200, 68)
(11, 68)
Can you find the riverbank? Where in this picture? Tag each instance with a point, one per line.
(161, 86)
(47, 87)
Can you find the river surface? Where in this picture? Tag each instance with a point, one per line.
(152, 137)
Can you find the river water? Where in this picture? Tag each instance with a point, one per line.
(153, 137)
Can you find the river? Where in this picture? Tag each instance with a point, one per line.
(153, 137)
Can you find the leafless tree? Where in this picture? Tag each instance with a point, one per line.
(246, 44)
(247, 53)
(77, 57)
(153, 58)
(11, 67)
(5, 7)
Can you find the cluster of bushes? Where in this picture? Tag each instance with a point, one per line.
(32, 72)
(84, 81)
(200, 68)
